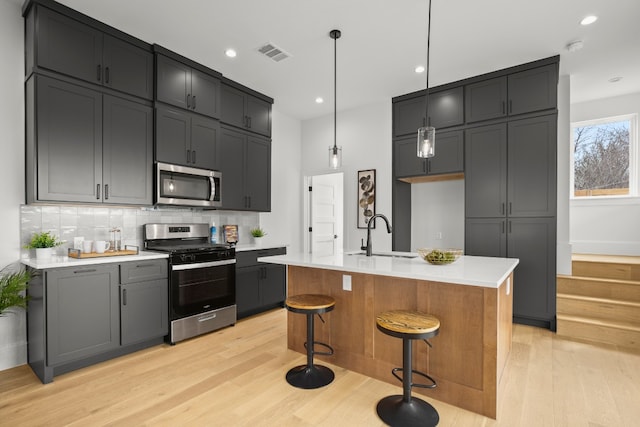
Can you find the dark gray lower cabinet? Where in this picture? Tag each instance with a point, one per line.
(78, 316)
(533, 241)
(259, 286)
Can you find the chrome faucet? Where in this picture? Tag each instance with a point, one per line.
(371, 221)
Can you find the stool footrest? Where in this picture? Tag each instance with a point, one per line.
(422, 374)
(321, 353)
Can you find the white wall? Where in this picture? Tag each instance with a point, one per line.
(365, 136)
(13, 326)
(605, 226)
(284, 223)
(563, 248)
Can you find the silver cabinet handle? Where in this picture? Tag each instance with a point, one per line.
(212, 194)
(202, 265)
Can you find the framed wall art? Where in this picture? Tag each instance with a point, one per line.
(366, 197)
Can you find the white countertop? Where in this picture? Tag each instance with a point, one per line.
(63, 261)
(486, 272)
(257, 247)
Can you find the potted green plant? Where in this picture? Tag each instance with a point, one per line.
(43, 243)
(258, 233)
(12, 287)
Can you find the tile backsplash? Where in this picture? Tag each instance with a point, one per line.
(94, 223)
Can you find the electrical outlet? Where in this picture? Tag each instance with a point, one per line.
(439, 235)
(346, 282)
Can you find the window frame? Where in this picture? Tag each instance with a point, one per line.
(634, 157)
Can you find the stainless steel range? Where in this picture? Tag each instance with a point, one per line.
(202, 278)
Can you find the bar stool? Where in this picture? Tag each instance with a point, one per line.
(310, 375)
(404, 410)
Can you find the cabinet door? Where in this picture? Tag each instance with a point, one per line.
(533, 90)
(408, 116)
(232, 109)
(144, 310)
(446, 108)
(259, 115)
(258, 174)
(128, 152)
(247, 289)
(173, 82)
(127, 68)
(173, 135)
(232, 168)
(68, 46)
(449, 156)
(205, 133)
(531, 188)
(485, 166)
(533, 241)
(69, 142)
(486, 100)
(273, 284)
(205, 94)
(485, 237)
(406, 163)
(83, 316)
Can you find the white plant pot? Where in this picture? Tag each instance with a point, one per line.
(43, 254)
(258, 241)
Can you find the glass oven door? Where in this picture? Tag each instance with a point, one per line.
(200, 287)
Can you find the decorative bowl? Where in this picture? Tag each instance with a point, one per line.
(439, 256)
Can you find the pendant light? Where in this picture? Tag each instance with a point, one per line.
(335, 152)
(427, 134)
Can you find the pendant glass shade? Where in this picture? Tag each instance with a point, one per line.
(426, 142)
(335, 157)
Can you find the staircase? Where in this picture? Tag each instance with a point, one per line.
(600, 301)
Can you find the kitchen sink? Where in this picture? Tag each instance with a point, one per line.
(390, 255)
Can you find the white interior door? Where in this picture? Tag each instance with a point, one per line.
(326, 214)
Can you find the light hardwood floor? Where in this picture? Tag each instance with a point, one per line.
(235, 377)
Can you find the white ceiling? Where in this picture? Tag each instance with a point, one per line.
(382, 42)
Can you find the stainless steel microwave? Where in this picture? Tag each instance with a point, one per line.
(187, 186)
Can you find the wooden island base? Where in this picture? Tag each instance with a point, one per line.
(468, 356)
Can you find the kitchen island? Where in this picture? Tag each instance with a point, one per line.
(472, 297)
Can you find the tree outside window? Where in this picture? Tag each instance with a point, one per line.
(602, 158)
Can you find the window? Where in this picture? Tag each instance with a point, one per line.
(605, 157)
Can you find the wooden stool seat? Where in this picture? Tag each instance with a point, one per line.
(310, 302)
(311, 376)
(403, 410)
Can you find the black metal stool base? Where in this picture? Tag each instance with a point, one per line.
(394, 411)
(309, 377)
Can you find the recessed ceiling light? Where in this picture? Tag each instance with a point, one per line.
(419, 69)
(615, 79)
(319, 100)
(231, 53)
(588, 20)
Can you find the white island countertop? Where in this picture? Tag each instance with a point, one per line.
(63, 261)
(488, 272)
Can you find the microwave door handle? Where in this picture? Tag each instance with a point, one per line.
(212, 182)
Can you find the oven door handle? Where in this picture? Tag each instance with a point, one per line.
(202, 265)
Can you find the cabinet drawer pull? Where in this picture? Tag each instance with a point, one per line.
(509, 227)
(502, 208)
(249, 122)
(144, 265)
(106, 191)
(510, 208)
(124, 297)
(193, 156)
(84, 271)
(106, 75)
(188, 156)
(188, 100)
(502, 226)
(98, 191)
(193, 102)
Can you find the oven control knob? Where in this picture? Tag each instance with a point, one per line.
(183, 258)
(193, 258)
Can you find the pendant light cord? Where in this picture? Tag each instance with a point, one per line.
(426, 119)
(335, 92)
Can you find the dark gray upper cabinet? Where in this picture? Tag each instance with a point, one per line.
(185, 138)
(486, 171)
(127, 151)
(531, 182)
(144, 304)
(245, 163)
(449, 156)
(183, 86)
(445, 110)
(82, 315)
(67, 46)
(244, 110)
(517, 93)
(87, 147)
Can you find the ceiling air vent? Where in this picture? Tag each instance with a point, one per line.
(274, 52)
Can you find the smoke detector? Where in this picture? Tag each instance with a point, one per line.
(575, 46)
(273, 52)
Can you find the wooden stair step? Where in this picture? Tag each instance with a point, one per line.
(615, 289)
(606, 266)
(599, 308)
(599, 331)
